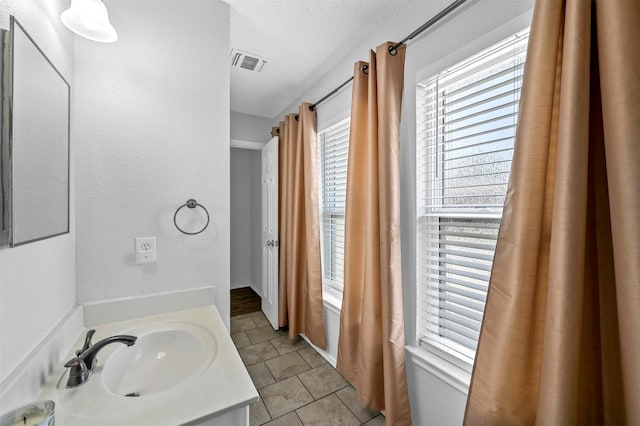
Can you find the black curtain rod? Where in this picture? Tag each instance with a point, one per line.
(328, 95)
(392, 49)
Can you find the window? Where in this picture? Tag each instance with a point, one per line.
(333, 149)
(466, 123)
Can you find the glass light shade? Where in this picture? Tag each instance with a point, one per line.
(90, 19)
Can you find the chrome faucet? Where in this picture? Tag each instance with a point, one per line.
(83, 365)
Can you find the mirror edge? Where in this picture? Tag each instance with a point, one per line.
(6, 89)
(7, 169)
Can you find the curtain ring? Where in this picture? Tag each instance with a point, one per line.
(393, 50)
(192, 204)
(365, 69)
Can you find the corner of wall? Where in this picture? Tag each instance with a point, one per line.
(38, 281)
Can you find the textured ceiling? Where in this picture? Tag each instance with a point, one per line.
(302, 39)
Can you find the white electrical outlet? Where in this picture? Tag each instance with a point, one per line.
(145, 249)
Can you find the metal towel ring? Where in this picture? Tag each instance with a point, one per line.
(192, 204)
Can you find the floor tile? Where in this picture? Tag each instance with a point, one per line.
(328, 411)
(260, 375)
(284, 397)
(376, 421)
(241, 323)
(322, 381)
(290, 419)
(312, 357)
(260, 320)
(258, 414)
(349, 396)
(257, 353)
(240, 339)
(287, 365)
(284, 345)
(262, 334)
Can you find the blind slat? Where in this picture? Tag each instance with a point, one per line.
(461, 310)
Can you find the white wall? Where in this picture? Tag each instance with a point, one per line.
(256, 221)
(476, 26)
(37, 280)
(246, 217)
(152, 129)
(241, 217)
(249, 127)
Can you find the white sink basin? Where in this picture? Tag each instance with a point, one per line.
(160, 360)
(183, 366)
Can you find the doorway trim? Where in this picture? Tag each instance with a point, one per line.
(239, 143)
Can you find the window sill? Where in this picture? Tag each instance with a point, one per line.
(331, 300)
(441, 368)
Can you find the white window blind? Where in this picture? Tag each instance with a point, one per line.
(333, 147)
(466, 123)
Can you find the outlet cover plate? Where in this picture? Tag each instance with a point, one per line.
(145, 249)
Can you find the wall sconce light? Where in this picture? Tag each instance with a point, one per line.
(90, 19)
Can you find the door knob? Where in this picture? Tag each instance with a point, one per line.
(270, 243)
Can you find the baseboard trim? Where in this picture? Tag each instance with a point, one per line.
(143, 306)
(257, 290)
(330, 359)
(235, 286)
(253, 287)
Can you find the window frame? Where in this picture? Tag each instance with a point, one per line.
(426, 342)
(332, 289)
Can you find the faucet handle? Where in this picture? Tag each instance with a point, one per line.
(87, 341)
(76, 363)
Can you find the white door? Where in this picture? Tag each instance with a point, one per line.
(270, 231)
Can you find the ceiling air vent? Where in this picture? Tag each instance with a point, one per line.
(247, 61)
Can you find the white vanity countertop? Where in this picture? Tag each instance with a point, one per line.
(222, 387)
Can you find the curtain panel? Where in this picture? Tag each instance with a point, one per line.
(371, 342)
(560, 340)
(300, 281)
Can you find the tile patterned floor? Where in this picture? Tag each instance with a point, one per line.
(296, 385)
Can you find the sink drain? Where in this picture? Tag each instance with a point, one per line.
(133, 394)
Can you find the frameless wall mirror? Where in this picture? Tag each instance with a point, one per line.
(35, 142)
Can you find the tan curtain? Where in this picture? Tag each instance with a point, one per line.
(560, 341)
(300, 296)
(287, 132)
(371, 343)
